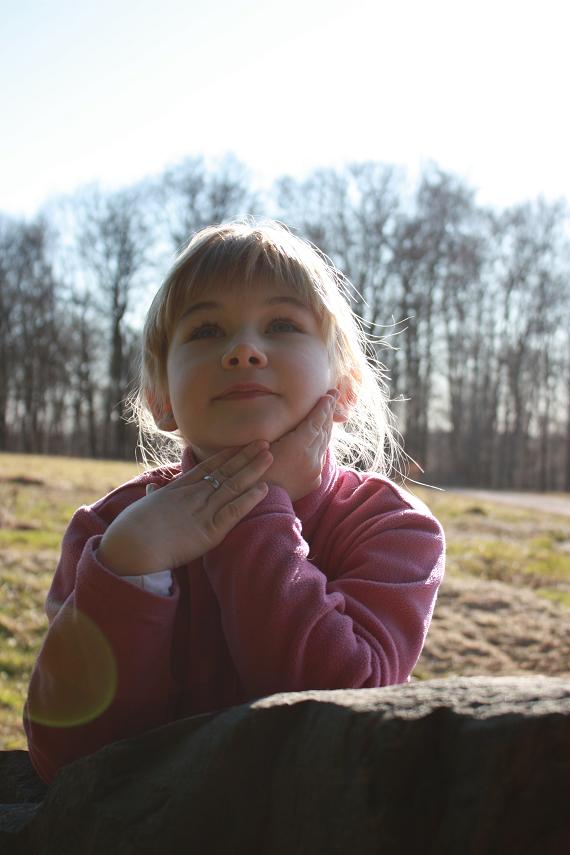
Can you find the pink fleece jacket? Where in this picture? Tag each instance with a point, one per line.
(336, 591)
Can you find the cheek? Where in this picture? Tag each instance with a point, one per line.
(314, 371)
(184, 371)
(184, 385)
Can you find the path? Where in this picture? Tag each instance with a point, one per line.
(551, 503)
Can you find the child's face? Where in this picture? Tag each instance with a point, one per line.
(265, 337)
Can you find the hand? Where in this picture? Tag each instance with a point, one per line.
(186, 518)
(299, 456)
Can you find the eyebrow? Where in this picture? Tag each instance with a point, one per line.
(272, 301)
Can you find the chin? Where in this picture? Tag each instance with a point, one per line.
(240, 435)
(266, 432)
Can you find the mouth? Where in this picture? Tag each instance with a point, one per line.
(244, 391)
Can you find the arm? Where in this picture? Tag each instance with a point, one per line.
(103, 672)
(290, 626)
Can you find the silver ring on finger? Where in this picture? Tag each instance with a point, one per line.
(211, 479)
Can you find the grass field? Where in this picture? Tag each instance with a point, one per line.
(38, 496)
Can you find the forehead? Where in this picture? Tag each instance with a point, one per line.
(235, 292)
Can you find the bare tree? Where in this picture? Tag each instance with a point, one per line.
(533, 304)
(32, 364)
(471, 404)
(567, 449)
(9, 275)
(484, 360)
(191, 195)
(113, 245)
(350, 214)
(428, 244)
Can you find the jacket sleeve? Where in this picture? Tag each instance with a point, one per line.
(104, 670)
(292, 626)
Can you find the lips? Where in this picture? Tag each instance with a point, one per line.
(244, 390)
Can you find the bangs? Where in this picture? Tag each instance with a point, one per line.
(240, 262)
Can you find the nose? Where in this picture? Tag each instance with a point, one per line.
(243, 354)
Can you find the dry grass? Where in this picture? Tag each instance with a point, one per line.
(38, 496)
(503, 607)
(496, 542)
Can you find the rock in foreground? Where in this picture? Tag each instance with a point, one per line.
(470, 765)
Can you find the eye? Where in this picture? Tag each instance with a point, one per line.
(284, 325)
(205, 330)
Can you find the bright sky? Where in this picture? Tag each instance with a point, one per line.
(112, 91)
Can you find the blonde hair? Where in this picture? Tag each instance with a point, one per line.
(242, 254)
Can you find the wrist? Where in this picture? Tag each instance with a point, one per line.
(123, 553)
(113, 556)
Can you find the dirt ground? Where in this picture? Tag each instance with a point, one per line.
(483, 627)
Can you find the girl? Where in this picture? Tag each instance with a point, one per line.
(257, 563)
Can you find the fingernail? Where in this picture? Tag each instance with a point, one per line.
(259, 444)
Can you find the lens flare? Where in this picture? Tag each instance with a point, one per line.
(77, 677)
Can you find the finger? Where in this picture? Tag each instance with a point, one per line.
(318, 447)
(243, 480)
(326, 438)
(250, 455)
(312, 423)
(319, 419)
(226, 517)
(327, 408)
(197, 472)
(216, 462)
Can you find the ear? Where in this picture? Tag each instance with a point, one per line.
(166, 421)
(346, 401)
(161, 410)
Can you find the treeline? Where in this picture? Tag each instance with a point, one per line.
(471, 308)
